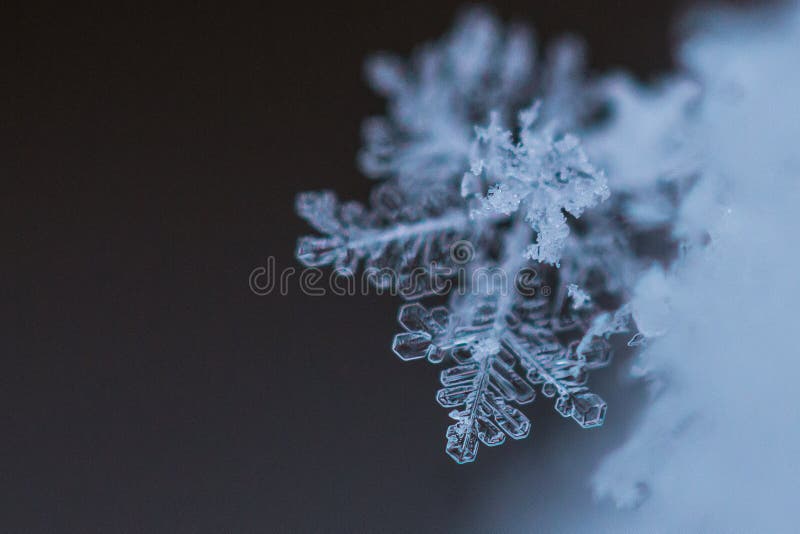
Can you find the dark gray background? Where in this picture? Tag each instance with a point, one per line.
(150, 158)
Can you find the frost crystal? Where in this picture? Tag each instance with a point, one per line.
(549, 262)
(580, 298)
(546, 173)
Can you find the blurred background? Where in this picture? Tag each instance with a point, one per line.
(150, 158)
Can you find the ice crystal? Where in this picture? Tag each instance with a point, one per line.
(550, 261)
(546, 172)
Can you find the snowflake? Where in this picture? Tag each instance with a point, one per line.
(542, 264)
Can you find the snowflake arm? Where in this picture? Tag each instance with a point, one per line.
(404, 248)
(502, 345)
(435, 98)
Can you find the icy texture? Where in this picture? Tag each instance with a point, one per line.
(530, 205)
